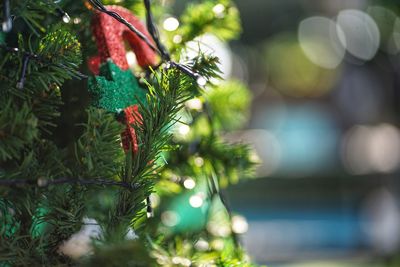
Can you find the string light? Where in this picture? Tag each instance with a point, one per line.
(7, 23)
(196, 201)
(195, 104)
(171, 24)
(159, 48)
(184, 129)
(219, 10)
(201, 81)
(170, 218)
(239, 224)
(77, 20)
(177, 39)
(189, 183)
(202, 245)
(21, 82)
(199, 161)
(64, 15)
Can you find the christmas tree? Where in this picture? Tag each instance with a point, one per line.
(105, 162)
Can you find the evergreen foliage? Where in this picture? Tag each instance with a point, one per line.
(62, 167)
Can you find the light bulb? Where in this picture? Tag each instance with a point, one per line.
(66, 18)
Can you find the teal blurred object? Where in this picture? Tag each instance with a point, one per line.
(191, 209)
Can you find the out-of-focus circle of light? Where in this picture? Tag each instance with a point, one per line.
(320, 42)
(201, 245)
(353, 154)
(131, 58)
(66, 18)
(219, 10)
(380, 221)
(302, 130)
(154, 200)
(170, 24)
(211, 45)
(194, 104)
(291, 72)
(184, 129)
(360, 36)
(396, 36)
(181, 261)
(196, 201)
(189, 183)
(267, 147)
(219, 229)
(371, 149)
(80, 243)
(199, 161)
(239, 224)
(170, 218)
(385, 20)
(384, 148)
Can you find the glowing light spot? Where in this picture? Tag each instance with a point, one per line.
(196, 201)
(131, 234)
(181, 261)
(239, 224)
(189, 183)
(171, 24)
(154, 200)
(66, 18)
(217, 244)
(80, 243)
(184, 129)
(209, 44)
(371, 149)
(219, 229)
(199, 161)
(361, 35)
(195, 104)
(201, 81)
(131, 58)
(320, 42)
(42, 182)
(177, 39)
(77, 20)
(202, 245)
(170, 218)
(219, 10)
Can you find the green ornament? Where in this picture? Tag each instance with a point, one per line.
(115, 89)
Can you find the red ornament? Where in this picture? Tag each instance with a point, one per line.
(128, 137)
(110, 35)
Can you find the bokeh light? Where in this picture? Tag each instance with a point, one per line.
(292, 72)
(367, 149)
(211, 45)
(170, 24)
(319, 39)
(360, 36)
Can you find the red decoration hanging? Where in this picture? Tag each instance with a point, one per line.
(129, 139)
(110, 36)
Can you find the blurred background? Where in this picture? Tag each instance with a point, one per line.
(325, 79)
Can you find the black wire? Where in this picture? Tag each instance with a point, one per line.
(21, 82)
(96, 4)
(99, 182)
(160, 49)
(28, 56)
(154, 31)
